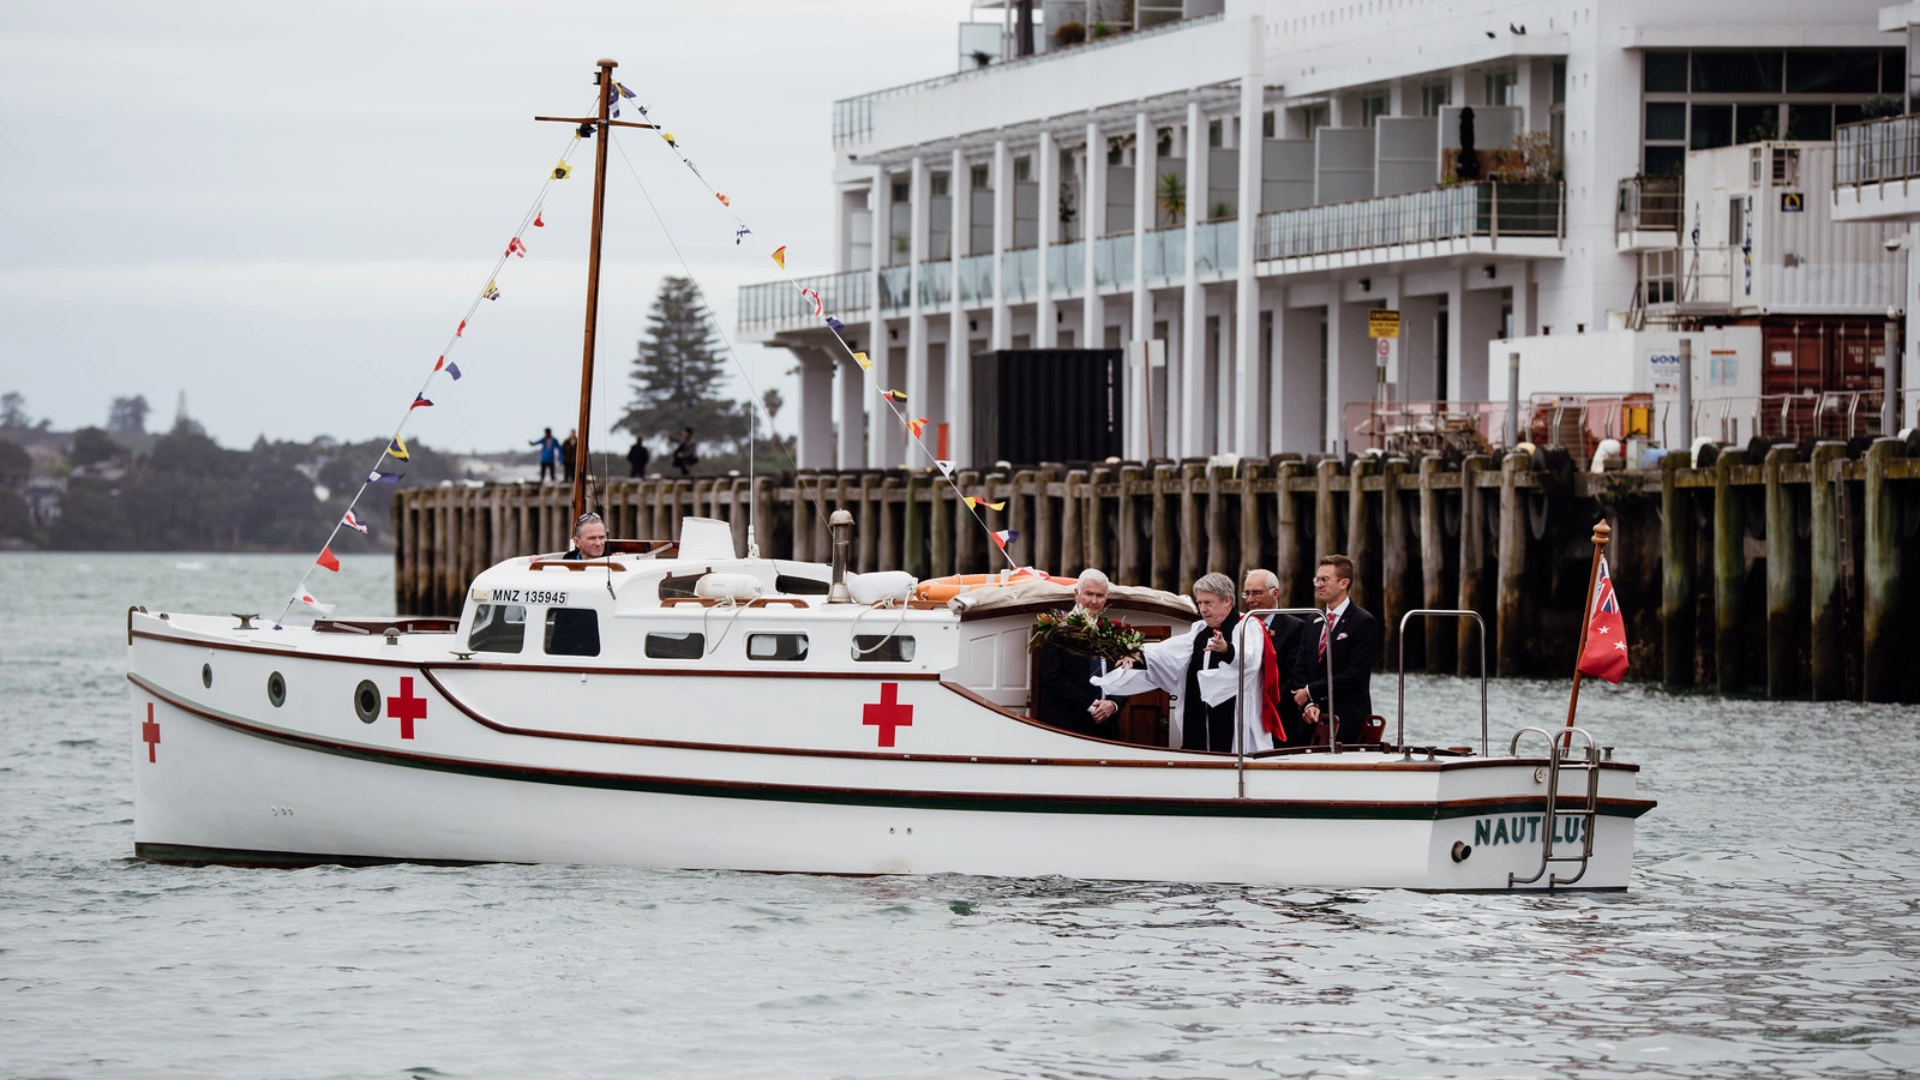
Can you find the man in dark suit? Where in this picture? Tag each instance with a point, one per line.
(1066, 699)
(1352, 637)
(1262, 590)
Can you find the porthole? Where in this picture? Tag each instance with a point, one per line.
(276, 690)
(206, 676)
(366, 701)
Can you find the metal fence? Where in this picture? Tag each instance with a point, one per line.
(1448, 213)
(1648, 204)
(1874, 151)
(1579, 422)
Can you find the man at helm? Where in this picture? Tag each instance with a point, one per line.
(589, 538)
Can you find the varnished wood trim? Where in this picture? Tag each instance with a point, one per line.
(577, 564)
(889, 797)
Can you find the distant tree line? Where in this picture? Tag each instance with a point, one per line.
(188, 493)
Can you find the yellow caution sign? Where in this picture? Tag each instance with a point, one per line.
(1383, 323)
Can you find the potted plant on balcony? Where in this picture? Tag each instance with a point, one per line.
(1171, 197)
(1069, 33)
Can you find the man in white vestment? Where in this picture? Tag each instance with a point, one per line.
(1215, 675)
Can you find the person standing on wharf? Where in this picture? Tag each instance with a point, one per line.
(1352, 636)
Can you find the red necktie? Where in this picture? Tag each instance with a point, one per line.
(1326, 630)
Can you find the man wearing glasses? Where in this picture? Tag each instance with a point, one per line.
(589, 538)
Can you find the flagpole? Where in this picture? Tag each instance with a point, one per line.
(1601, 533)
(581, 461)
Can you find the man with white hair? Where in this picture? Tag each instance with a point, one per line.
(1216, 673)
(1065, 695)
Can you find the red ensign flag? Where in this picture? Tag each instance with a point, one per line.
(1605, 656)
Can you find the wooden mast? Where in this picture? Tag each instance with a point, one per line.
(581, 458)
(596, 127)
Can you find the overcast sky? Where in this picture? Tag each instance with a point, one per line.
(283, 210)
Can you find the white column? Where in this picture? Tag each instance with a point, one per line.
(1910, 353)
(1350, 365)
(851, 384)
(876, 348)
(1526, 308)
(816, 408)
(1397, 99)
(920, 222)
(1296, 378)
(959, 345)
(1145, 161)
(1194, 406)
(1045, 333)
(1093, 224)
(1473, 319)
(1246, 300)
(1002, 333)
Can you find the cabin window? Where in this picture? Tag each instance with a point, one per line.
(882, 648)
(573, 632)
(776, 646)
(498, 628)
(662, 646)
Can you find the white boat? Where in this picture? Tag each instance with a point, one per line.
(689, 705)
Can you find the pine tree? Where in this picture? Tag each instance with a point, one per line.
(676, 376)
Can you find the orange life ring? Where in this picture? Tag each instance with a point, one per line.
(942, 589)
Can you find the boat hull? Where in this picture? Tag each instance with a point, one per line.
(287, 786)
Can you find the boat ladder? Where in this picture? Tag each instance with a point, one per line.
(1561, 759)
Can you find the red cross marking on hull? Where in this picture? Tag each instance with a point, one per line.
(150, 734)
(406, 708)
(888, 713)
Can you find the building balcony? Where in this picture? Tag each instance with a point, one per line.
(1876, 164)
(773, 304)
(1647, 213)
(1484, 218)
(1520, 220)
(853, 118)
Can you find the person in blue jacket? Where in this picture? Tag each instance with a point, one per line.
(549, 454)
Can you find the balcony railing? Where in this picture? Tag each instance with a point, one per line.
(853, 117)
(936, 284)
(1165, 255)
(1875, 151)
(976, 279)
(1020, 275)
(1113, 261)
(896, 288)
(1648, 204)
(778, 301)
(1450, 213)
(1216, 245)
(1067, 268)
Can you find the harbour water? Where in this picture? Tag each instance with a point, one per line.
(1773, 927)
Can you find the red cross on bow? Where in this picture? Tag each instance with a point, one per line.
(407, 708)
(150, 734)
(888, 713)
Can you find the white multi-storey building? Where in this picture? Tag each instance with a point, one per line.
(1245, 181)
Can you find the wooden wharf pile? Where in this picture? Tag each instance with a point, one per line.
(1831, 613)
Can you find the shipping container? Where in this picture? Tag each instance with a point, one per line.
(1758, 238)
(1034, 405)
